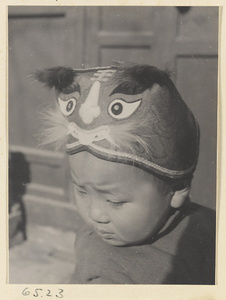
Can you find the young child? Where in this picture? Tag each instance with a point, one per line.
(133, 147)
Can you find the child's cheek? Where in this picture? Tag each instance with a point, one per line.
(125, 217)
(82, 206)
(134, 222)
(84, 214)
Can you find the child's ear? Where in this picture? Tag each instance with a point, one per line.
(179, 197)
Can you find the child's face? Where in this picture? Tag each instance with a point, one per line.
(120, 202)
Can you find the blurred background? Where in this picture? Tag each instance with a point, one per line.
(183, 40)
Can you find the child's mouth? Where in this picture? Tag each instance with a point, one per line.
(105, 234)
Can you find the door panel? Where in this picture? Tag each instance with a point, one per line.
(39, 37)
(203, 102)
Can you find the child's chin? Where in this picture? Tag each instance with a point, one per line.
(118, 243)
(115, 242)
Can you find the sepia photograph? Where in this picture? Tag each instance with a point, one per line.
(112, 147)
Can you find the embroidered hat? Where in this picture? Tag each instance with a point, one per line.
(131, 114)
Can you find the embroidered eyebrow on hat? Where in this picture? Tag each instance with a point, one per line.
(131, 114)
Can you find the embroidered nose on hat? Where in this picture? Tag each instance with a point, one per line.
(90, 109)
(130, 114)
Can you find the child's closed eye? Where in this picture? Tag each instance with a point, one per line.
(79, 190)
(82, 193)
(115, 203)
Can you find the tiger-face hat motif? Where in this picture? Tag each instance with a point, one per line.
(130, 114)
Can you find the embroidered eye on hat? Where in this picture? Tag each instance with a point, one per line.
(131, 114)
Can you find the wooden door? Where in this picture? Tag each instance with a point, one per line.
(40, 37)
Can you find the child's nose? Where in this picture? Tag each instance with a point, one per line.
(98, 212)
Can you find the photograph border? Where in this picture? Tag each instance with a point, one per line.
(182, 292)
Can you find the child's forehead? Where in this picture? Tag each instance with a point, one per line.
(86, 165)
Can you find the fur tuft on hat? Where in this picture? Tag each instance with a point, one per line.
(58, 77)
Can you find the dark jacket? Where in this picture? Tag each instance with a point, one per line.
(182, 253)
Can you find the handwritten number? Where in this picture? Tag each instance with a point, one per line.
(49, 295)
(60, 294)
(36, 292)
(25, 292)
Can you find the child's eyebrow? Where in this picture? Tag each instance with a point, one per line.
(113, 193)
(110, 189)
(102, 187)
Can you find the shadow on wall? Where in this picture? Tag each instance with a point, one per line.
(19, 177)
